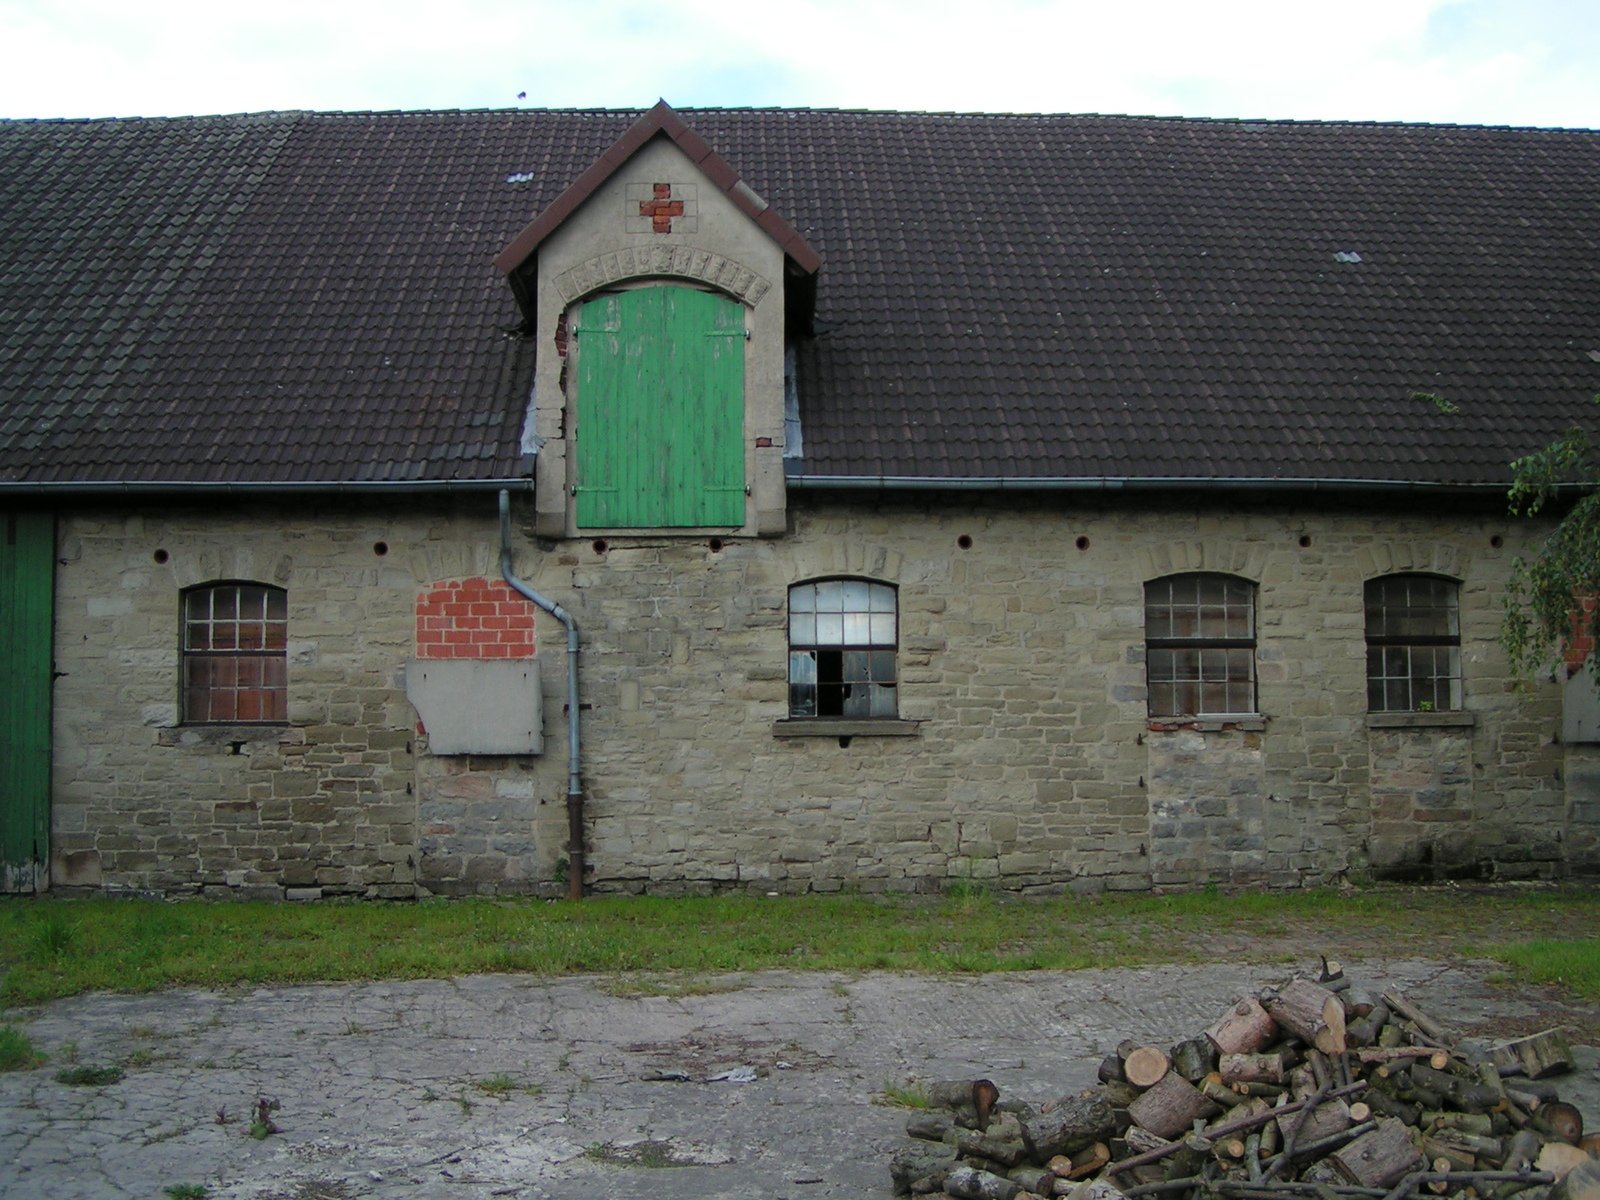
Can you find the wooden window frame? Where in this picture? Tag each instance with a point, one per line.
(233, 663)
(1193, 647)
(826, 670)
(1413, 662)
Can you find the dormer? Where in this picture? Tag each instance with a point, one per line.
(662, 292)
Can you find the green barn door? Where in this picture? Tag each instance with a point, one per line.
(27, 556)
(660, 410)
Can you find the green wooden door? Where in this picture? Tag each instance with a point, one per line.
(660, 428)
(27, 556)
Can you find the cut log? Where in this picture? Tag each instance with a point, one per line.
(1582, 1182)
(1076, 1123)
(1193, 1058)
(1145, 1065)
(1524, 1148)
(1397, 1002)
(971, 1100)
(1098, 1189)
(1110, 1069)
(1564, 1119)
(1251, 1068)
(1364, 1030)
(969, 1183)
(1089, 1161)
(1378, 1159)
(930, 1127)
(1467, 1095)
(1558, 1158)
(1310, 1012)
(1040, 1181)
(1323, 1121)
(1359, 1002)
(917, 1163)
(1448, 1154)
(1243, 1029)
(996, 1146)
(1542, 1054)
(1171, 1106)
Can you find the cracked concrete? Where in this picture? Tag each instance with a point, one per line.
(537, 1088)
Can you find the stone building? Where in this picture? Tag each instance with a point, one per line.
(1063, 502)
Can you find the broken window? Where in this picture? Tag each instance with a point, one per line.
(1200, 645)
(842, 640)
(235, 654)
(1413, 644)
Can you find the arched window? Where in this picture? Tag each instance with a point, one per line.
(842, 639)
(235, 654)
(1200, 645)
(1413, 644)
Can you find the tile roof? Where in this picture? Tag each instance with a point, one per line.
(311, 297)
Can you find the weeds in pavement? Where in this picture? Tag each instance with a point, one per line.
(651, 1154)
(17, 1052)
(262, 1125)
(89, 1076)
(904, 1095)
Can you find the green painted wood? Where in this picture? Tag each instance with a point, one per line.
(27, 558)
(660, 410)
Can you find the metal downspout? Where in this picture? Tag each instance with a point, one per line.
(575, 856)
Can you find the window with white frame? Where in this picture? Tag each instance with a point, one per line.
(1413, 644)
(235, 654)
(843, 635)
(1200, 645)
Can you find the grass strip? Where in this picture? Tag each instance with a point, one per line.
(53, 948)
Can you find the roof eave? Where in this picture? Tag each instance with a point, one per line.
(1140, 484)
(178, 488)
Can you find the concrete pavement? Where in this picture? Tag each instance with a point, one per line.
(532, 1088)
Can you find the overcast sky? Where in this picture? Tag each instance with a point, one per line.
(1520, 62)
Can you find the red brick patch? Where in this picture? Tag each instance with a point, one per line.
(474, 618)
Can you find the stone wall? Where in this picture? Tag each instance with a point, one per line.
(1025, 755)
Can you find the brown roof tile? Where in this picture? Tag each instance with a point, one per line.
(299, 297)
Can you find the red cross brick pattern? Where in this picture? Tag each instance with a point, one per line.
(473, 618)
(662, 209)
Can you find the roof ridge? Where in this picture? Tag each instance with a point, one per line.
(823, 110)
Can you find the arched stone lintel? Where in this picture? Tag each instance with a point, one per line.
(853, 559)
(1215, 555)
(739, 281)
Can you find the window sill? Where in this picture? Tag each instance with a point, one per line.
(835, 727)
(1222, 722)
(221, 735)
(1421, 720)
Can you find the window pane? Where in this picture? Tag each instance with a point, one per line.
(881, 599)
(234, 640)
(802, 629)
(883, 633)
(855, 629)
(830, 596)
(830, 629)
(803, 598)
(884, 700)
(855, 595)
(803, 684)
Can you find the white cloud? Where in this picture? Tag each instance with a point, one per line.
(1495, 61)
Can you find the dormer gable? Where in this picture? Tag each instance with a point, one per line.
(518, 261)
(661, 292)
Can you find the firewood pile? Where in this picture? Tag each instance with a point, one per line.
(1315, 1090)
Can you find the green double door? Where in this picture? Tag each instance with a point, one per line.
(27, 558)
